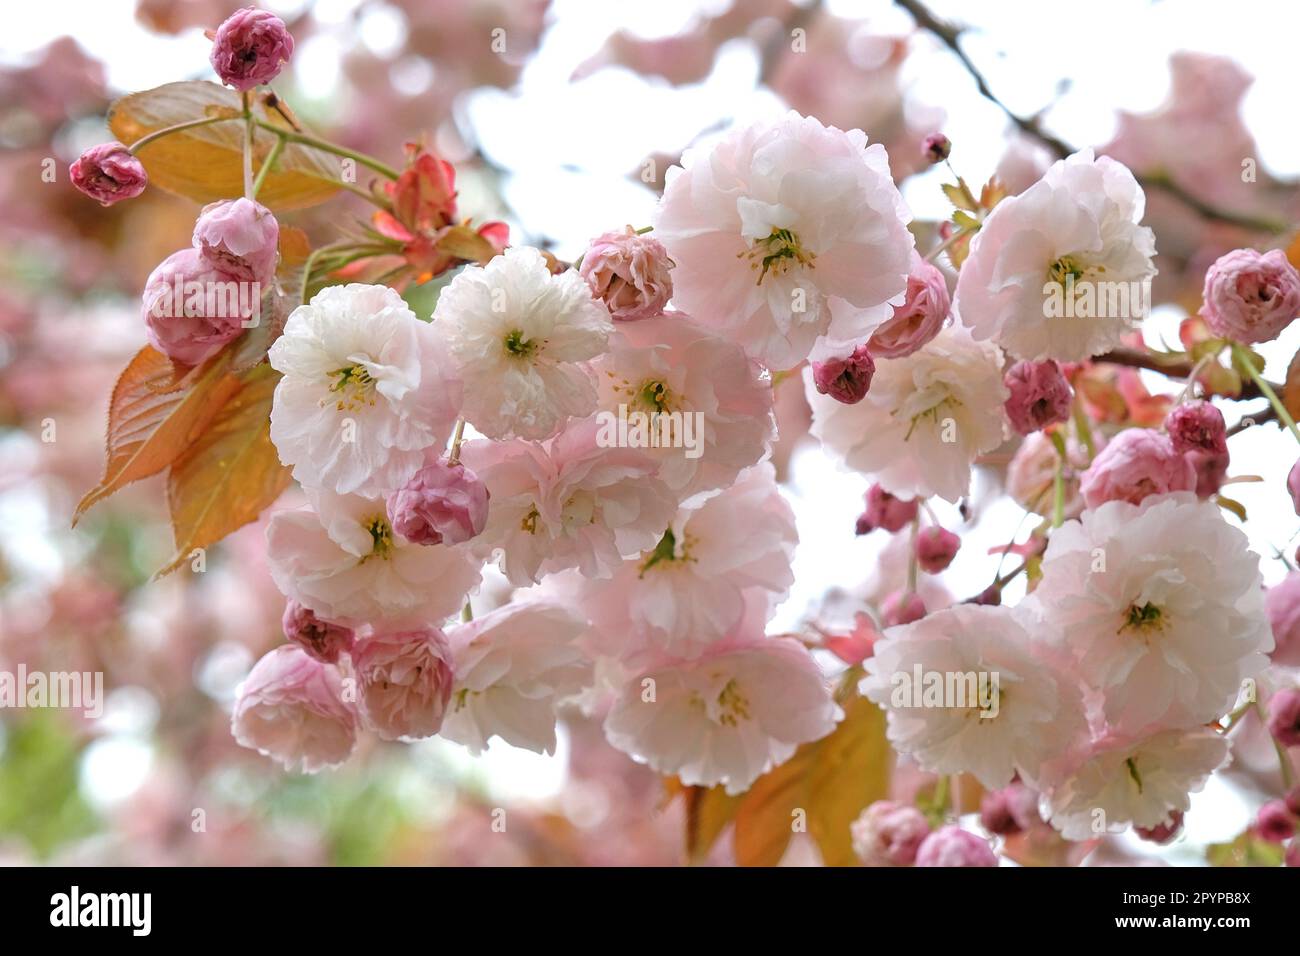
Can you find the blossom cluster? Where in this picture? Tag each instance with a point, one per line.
(643, 575)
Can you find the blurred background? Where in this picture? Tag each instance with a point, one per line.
(561, 118)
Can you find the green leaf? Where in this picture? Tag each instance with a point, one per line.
(1245, 850)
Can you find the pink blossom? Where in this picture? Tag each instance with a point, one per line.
(1197, 425)
(889, 834)
(443, 502)
(1137, 463)
(936, 148)
(109, 173)
(250, 48)
(953, 846)
(886, 511)
(919, 318)
(902, 607)
(1284, 717)
(239, 237)
(845, 379)
(1282, 604)
(322, 640)
(1010, 809)
(1251, 296)
(291, 709)
(192, 309)
(1293, 485)
(1211, 470)
(629, 273)
(935, 549)
(1162, 833)
(1275, 822)
(405, 680)
(1040, 396)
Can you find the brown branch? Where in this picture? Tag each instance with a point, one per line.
(949, 35)
(1180, 368)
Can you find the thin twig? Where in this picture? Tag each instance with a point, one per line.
(949, 35)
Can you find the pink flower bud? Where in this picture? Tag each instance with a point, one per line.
(322, 640)
(1136, 463)
(845, 379)
(1292, 800)
(1293, 486)
(250, 48)
(935, 549)
(629, 273)
(291, 709)
(900, 607)
(991, 595)
(936, 148)
(1211, 469)
(1011, 810)
(885, 511)
(1199, 426)
(1163, 833)
(239, 237)
(441, 503)
(888, 834)
(1275, 822)
(192, 309)
(1040, 396)
(404, 679)
(953, 846)
(1284, 717)
(109, 173)
(1251, 296)
(919, 318)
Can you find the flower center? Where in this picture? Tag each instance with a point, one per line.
(1132, 766)
(777, 253)
(665, 552)
(734, 705)
(1143, 619)
(655, 396)
(517, 345)
(381, 536)
(353, 387)
(529, 524)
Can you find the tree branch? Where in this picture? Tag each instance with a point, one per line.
(949, 35)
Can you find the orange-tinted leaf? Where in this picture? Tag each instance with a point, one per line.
(1291, 388)
(206, 163)
(708, 812)
(831, 781)
(462, 242)
(231, 474)
(152, 420)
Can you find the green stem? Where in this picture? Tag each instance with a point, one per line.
(911, 560)
(145, 140)
(1283, 758)
(271, 159)
(305, 139)
(248, 145)
(944, 246)
(1058, 481)
(456, 438)
(1244, 360)
(1083, 428)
